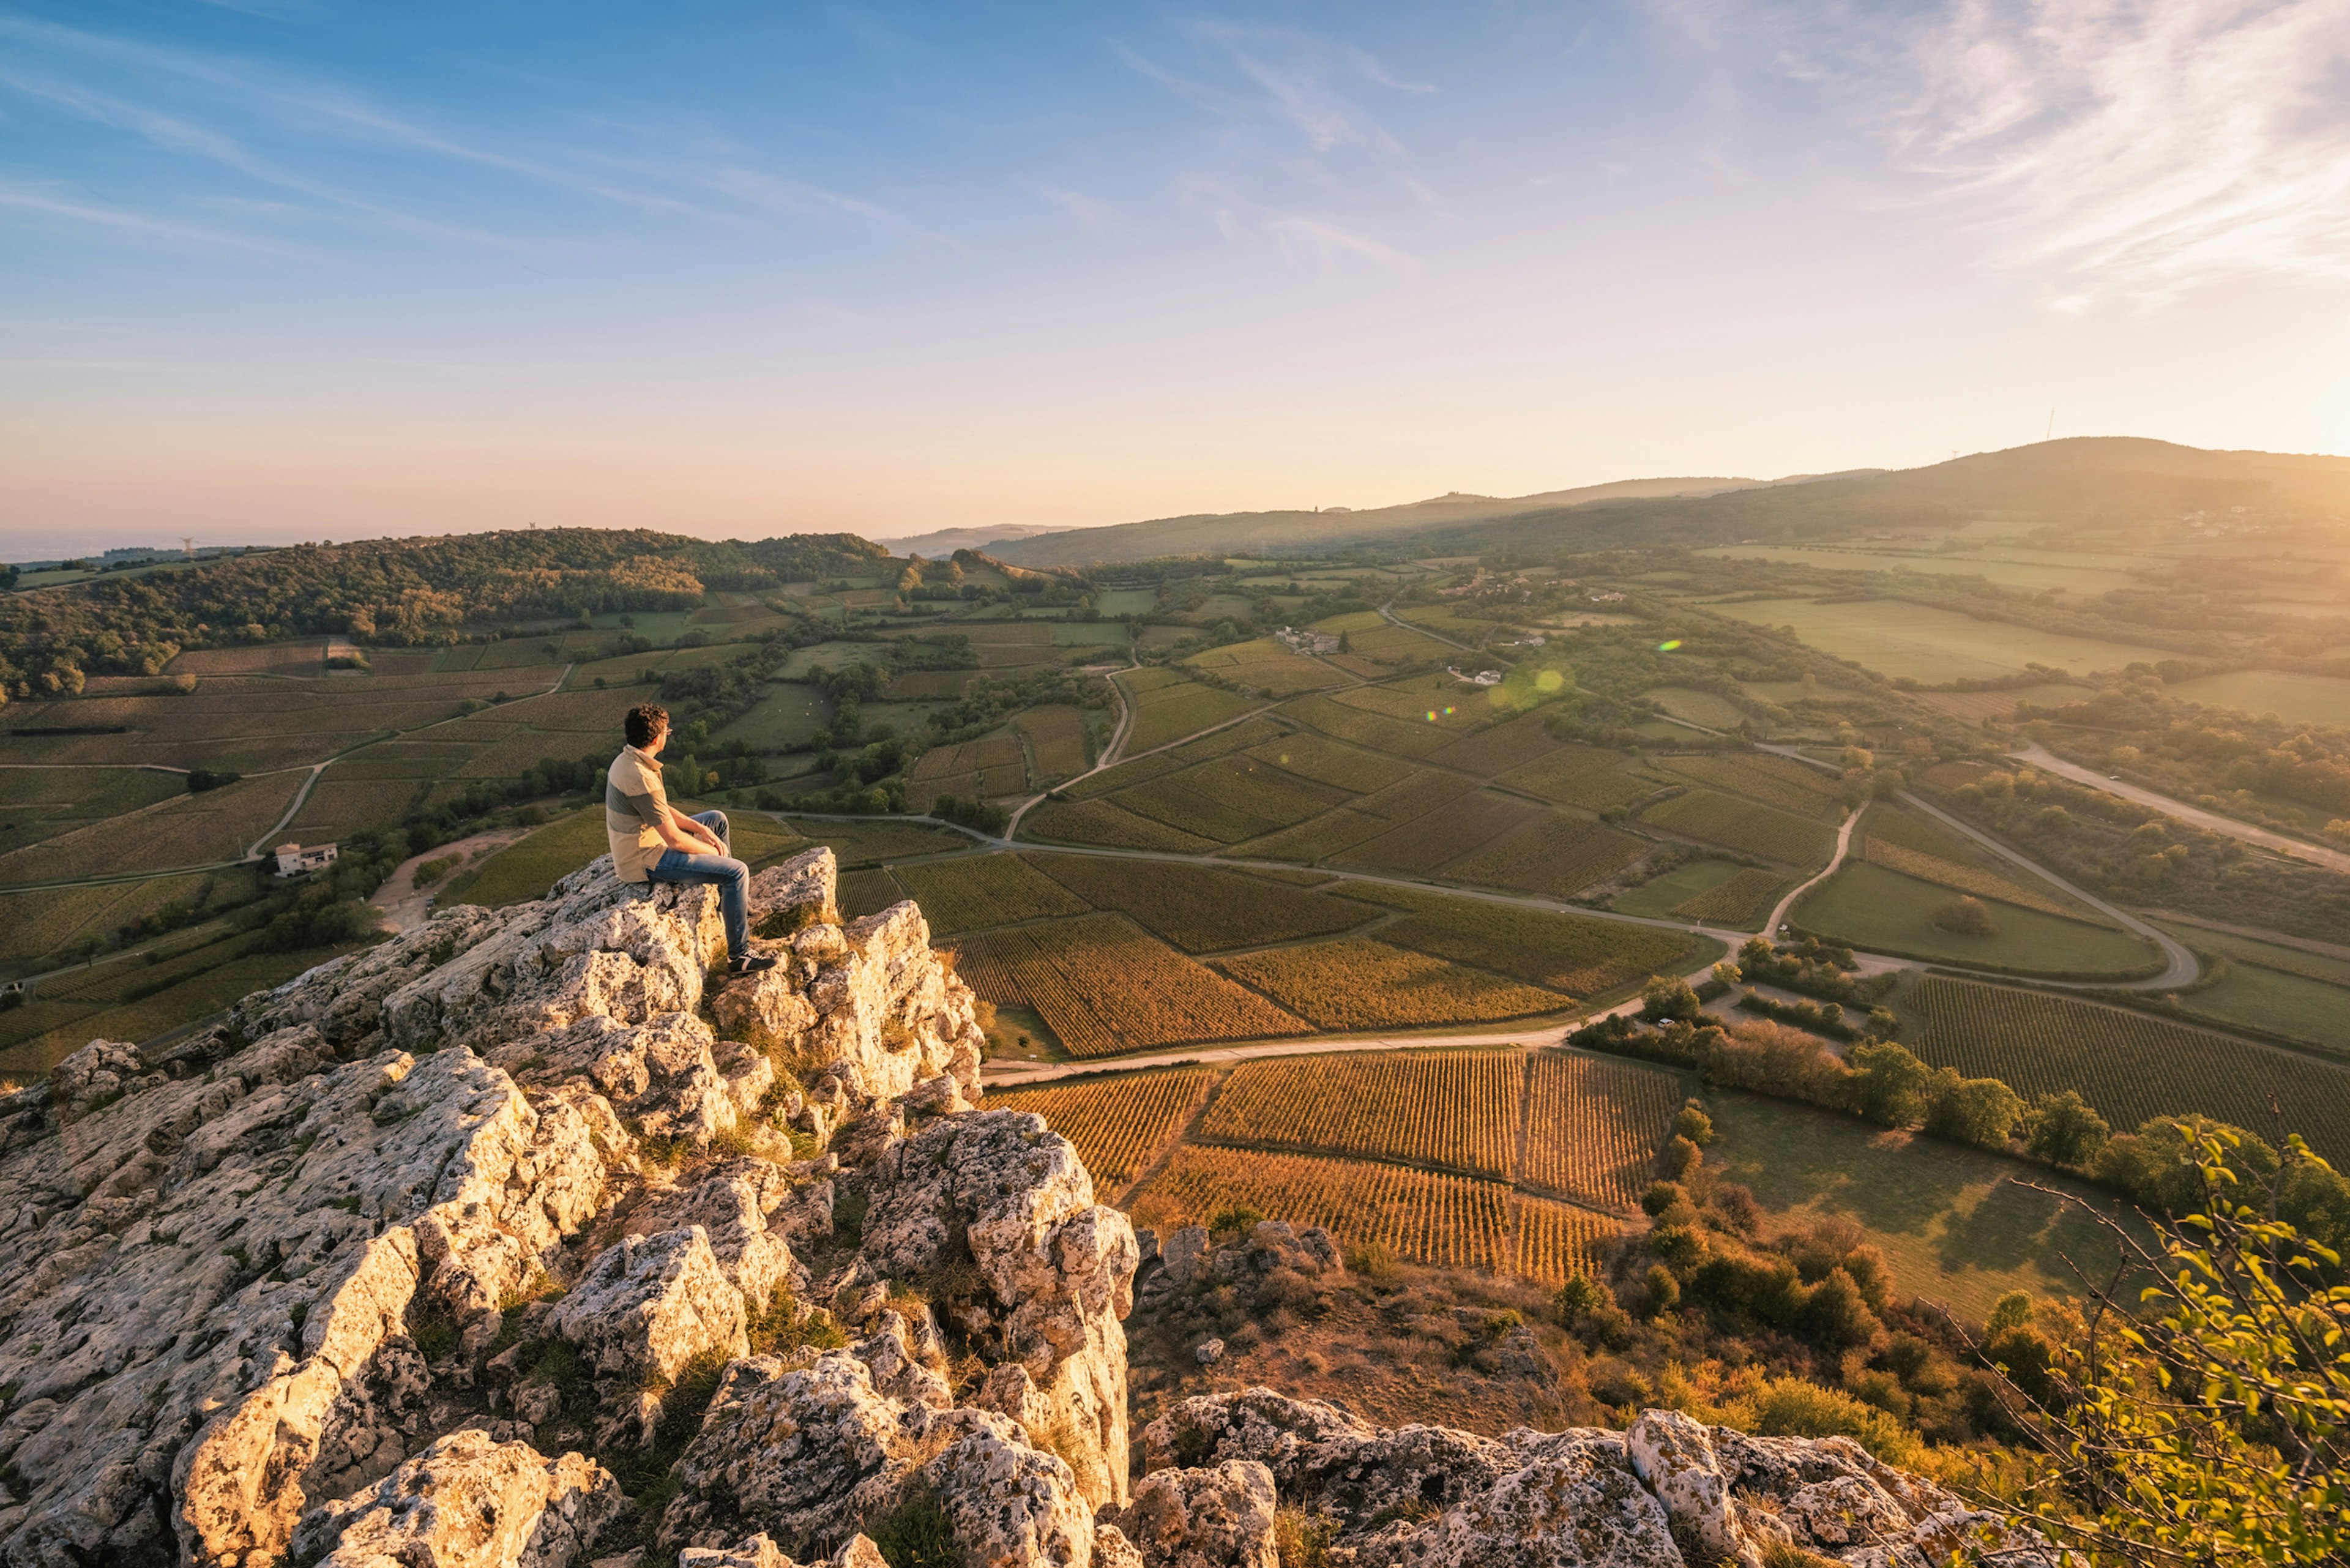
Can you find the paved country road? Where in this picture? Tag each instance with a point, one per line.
(2047, 761)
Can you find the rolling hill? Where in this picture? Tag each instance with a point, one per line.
(2078, 482)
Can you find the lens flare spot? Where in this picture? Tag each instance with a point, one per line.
(1549, 680)
(1669, 645)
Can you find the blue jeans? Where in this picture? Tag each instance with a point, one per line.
(728, 875)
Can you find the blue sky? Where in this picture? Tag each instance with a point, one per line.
(284, 268)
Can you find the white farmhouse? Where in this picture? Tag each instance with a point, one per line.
(294, 860)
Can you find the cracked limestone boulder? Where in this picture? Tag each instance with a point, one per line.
(886, 1006)
(93, 1077)
(761, 1552)
(1322, 1457)
(768, 1010)
(1673, 1456)
(1220, 1517)
(343, 998)
(467, 1501)
(1831, 1496)
(1571, 1499)
(649, 1307)
(732, 1203)
(800, 1454)
(222, 1269)
(668, 1074)
(800, 892)
(593, 947)
(1054, 1270)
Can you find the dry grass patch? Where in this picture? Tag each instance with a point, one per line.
(1229, 799)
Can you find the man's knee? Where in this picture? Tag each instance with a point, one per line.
(733, 870)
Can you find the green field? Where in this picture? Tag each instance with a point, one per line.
(2288, 1004)
(1744, 826)
(1947, 1217)
(1201, 909)
(2296, 698)
(2268, 955)
(785, 716)
(1657, 897)
(1229, 799)
(2004, 569)
(1697, 707)
(1883, 911)
(2129, 1065)
(199, 995)
(1167, 708)
(1101, 823)
(1894, 637)
(852, 842)
(527, 868)
(967, 893)
(622, 669)
(869, 892)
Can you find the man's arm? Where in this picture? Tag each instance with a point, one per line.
(681, 832)
(677, 830)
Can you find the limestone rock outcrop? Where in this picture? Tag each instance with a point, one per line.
(299, 1278)
(529, 1240)
(1668, 1493)
(1204, 1518)
(467, 1501)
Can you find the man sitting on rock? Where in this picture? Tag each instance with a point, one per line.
(652, 841)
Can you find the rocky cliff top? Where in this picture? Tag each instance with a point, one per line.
(521, 1241)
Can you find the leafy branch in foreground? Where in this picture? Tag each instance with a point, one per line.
(2209, 1422)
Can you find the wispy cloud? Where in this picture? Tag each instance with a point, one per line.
(1297, 157)
(110, 217)
(2129, 151)
(2145, 149)
(301, 115)
(1300, 238)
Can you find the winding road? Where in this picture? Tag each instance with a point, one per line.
(2049, 762)
(2180, 968)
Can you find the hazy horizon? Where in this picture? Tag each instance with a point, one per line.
(280, 270)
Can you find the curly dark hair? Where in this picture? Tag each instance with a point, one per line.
(645, 721)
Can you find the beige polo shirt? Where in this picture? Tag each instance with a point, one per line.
(634, 804)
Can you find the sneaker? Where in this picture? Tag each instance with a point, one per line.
(749, 963)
